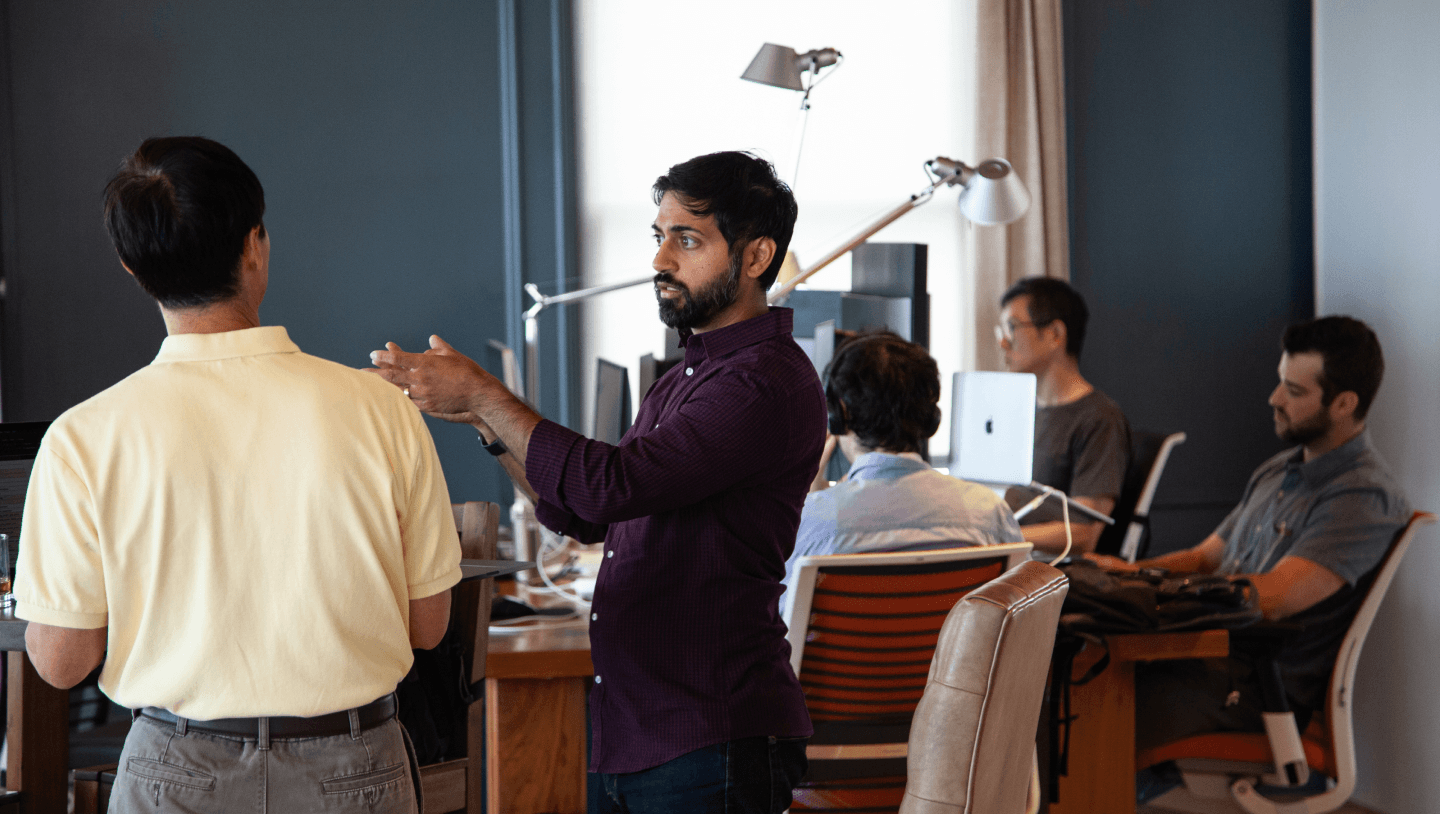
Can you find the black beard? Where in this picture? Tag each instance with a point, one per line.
(1311, 430)
(687, 311)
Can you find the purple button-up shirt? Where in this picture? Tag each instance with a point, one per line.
(698, 507)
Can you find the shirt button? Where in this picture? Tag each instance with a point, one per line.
(689, 371)
(594, 616)
(609, 554)
(597, 679)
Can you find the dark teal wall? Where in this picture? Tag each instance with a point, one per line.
(1191, 224)
(376, 129)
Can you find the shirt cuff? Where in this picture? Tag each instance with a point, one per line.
(545, 457)
(553, 517)
(435, 586)
(32, 612)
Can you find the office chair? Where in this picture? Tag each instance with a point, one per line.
(972, 744)
(1129, 537)
(458, 785)
(863, 628)
(1221, 770)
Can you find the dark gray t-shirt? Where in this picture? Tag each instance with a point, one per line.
(1081, 448)
(1341, 511)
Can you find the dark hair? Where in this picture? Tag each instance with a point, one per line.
(890, 390)
(178, 212)
(1052, 299)
(743, 193)
(1350, 354)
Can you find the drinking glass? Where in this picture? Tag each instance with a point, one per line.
(7, 598)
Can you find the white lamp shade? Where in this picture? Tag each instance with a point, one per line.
(774, 65)
(995, 194)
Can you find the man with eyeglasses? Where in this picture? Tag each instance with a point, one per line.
(1082, 440)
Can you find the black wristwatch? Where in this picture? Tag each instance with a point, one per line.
(496, 447)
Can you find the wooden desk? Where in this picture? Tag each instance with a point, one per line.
(38, 728)
(535, 685)
(1102, 737)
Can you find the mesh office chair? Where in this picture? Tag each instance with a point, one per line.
(863, 628)
(1129, 537)
(1222, 770)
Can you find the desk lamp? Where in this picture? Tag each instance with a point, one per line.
(780, 67)
(991, 194)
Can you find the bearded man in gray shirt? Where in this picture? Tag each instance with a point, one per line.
(1314, 523)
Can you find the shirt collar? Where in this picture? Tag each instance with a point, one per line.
(1324, 467)
(885, 464)
(226, 345)
(722, 341)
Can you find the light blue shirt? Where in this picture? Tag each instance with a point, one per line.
(898, 503)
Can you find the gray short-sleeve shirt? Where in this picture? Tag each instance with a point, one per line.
(1340, 511)
(1081, 448)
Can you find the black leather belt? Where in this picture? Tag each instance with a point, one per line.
(335, 723)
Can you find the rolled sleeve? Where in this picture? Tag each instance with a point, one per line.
(545, 457)
(550, 446)
(691, 455)
(60, 578)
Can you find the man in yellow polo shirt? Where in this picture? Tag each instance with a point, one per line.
(252, 539)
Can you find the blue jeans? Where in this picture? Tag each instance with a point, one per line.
(746, 776)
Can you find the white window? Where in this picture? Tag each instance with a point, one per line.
(658, 82)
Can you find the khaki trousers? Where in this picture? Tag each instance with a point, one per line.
(168, 768)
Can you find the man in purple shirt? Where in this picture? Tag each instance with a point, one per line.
(694, 706)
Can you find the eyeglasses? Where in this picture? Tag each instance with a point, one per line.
(1005, 331)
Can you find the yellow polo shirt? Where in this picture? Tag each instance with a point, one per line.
(249, 521)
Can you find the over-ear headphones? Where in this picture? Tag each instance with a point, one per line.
(835, 413)
(834, 408)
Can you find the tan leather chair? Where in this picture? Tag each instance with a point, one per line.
(972, 741)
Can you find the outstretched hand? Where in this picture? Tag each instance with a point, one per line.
(442, 381)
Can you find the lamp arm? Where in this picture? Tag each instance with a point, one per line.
(584, 293)
(532, 326)
(778, 297)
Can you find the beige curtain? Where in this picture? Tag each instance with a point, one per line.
(1020, 115)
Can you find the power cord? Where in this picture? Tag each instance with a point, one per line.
(1045, 492)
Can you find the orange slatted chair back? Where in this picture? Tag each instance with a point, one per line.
(872, 633)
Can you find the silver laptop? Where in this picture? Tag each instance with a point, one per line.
(992, 427)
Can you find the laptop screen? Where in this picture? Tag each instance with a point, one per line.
(992, 427)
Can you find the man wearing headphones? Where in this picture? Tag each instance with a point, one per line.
(882, 395)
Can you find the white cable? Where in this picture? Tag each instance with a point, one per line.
(1064, 513)
(550, 541)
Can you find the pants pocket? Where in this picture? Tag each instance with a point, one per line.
(364, 781)
(169, 773)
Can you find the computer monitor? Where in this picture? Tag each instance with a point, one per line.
(612, 402)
